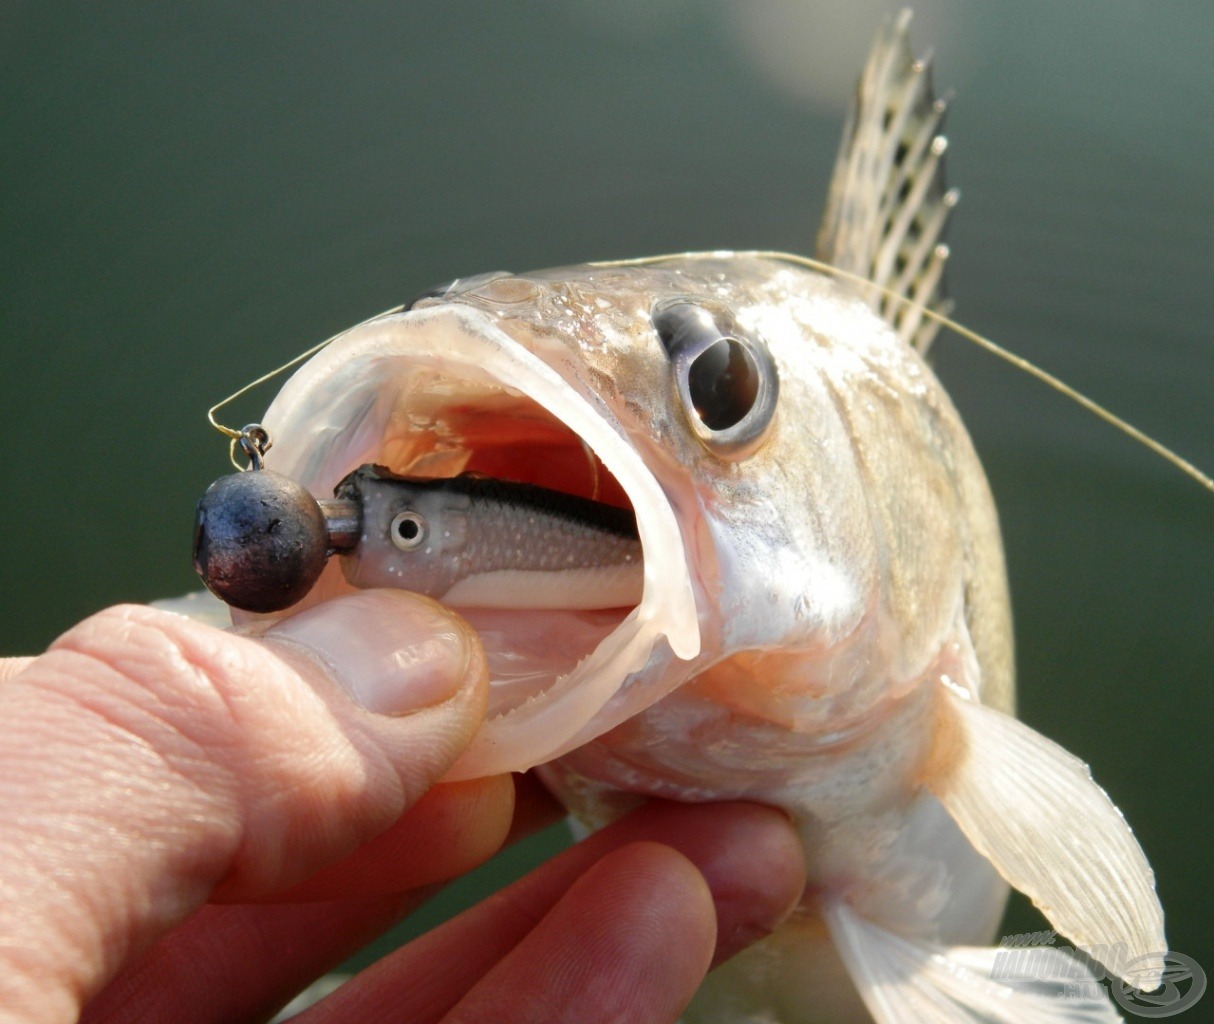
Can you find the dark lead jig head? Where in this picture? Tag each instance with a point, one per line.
(261, 540)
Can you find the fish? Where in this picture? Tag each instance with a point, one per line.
(823, 621)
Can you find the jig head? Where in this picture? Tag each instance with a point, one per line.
(260, 539)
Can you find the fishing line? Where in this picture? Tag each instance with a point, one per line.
(1033, 370)
(253, 438)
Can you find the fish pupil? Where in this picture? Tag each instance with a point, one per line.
(723, 382)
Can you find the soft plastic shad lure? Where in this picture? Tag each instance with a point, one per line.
(261, 541)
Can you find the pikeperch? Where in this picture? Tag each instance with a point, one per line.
(824, 620)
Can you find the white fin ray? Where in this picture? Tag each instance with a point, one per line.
(1033, 810)
(906, 982)
(888, 205)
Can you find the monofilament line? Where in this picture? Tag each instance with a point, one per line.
(1098, 410)
(235, 435)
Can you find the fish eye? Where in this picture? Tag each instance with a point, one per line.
(723, 382)
(726, 377)
(408, 530)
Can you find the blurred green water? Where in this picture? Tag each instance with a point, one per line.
(193, 193)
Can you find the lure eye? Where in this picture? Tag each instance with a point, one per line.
(408, 531)
(726, 377)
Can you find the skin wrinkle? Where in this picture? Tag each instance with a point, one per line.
(183, 736)
(338, 779)
(127, 721)
(183, 723)
(210, 970)
(112, 731)
(186, 713)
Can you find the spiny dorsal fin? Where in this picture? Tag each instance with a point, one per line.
(888, 205)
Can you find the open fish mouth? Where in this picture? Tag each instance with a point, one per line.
(446, 390)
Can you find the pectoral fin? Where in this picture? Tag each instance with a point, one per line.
(1033, 810)
(907, 982)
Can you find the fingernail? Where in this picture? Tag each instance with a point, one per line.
(391, 652)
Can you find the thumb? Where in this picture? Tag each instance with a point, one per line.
(149, 761)
(395, 687)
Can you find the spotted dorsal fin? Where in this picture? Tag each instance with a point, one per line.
(888, 204)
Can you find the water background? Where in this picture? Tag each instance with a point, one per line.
(191, 194)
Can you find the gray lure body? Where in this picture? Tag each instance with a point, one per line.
(261, 541)
(474, 541)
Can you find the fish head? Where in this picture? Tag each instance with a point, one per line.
(711, 395)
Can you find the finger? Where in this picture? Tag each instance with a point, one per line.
(442, 836)
(438, 838)
(749, 855)
(534, 807)
(630, 940)
(10, 667)
(240, 962)
(148, 761)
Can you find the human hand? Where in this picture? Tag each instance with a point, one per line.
(194, 824)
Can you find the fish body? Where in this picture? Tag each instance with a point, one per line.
(824, 621)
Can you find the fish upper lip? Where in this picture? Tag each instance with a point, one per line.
(471, 345)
